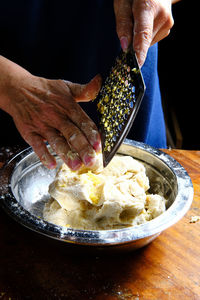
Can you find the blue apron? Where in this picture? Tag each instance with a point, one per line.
(74, 40)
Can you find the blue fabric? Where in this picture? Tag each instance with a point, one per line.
(75, 40)
(149, 126)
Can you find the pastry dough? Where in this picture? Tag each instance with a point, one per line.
(114, 197)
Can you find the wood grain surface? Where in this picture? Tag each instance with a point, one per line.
(35, 267)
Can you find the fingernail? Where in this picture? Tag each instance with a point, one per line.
(73, 160)
(52, 166)
(89, 158)
(74, 164)
(47, 162)
(97, 146)
(95, 140)
(124, 43)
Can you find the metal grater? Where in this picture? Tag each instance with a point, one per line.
(118, 102)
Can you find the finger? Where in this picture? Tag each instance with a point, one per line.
(124, 22)
(62, 149)
(78, 142)
(85, 92)
(92, 134)
(143, 29)
(79, 118)
(162, 24)
(159, 36)
(39, 147)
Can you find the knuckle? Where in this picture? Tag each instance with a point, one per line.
(73, 111)
(61, 148)
(26, 133)
(87, 126)
(65, 127)
(150, 5)
(85, 149)
(167, 33)
(144, 35)
(74, 137)
(124, 28)
(166, 18)
(170, 22)
(122, 6)
(90, 130)
(78, 141)
(54, 141)
(57, 142)
(36, 142)
(147, 5)
(123, 20)
(70, 132)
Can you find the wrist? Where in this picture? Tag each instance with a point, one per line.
(11, 78)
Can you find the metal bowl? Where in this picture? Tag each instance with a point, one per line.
(24, 185)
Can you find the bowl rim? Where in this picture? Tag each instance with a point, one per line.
(109, 237)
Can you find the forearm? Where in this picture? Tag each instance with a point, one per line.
(174, 1)
(11, 74)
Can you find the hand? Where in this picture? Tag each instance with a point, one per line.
(46, 110)
(143, 23)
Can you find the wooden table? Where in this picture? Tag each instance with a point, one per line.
(35, 267)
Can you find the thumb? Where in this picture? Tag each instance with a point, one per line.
(85, 92)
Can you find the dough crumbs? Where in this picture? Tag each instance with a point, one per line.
(194, 219)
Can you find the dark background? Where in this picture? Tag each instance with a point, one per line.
(178, 73)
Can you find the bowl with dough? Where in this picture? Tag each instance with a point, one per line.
(126, 212)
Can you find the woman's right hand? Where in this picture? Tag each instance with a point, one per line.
(142, 23)
(47, 110)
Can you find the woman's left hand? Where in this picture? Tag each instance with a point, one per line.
(143, 23)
